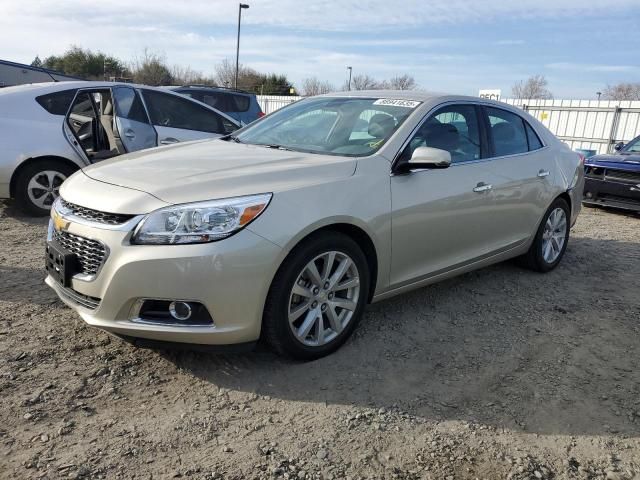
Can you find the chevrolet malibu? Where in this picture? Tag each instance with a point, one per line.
(287, 228)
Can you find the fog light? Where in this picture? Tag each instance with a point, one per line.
(588, 195)
(173, 313)
(180, 310)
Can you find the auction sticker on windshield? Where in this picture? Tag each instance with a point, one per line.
(397, 103)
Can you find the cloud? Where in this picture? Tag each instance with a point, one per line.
(585, 67)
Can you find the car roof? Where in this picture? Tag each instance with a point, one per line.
(219, 89)
(50, 87)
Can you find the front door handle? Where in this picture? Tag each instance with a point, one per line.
(168, 141)
(482, 187)
(543, 173)
(129, 134)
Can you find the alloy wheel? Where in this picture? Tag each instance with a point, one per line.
(324, 298)
(554, 235)
(43, 188)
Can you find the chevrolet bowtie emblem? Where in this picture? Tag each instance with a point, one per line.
(59, 223)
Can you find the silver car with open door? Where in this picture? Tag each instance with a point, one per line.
(50, 130)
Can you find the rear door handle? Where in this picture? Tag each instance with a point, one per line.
(169, 141)
(543, 173)
(482, 187)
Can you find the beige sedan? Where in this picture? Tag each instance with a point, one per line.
(286, 229)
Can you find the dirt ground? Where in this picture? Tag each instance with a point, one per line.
(500, 373)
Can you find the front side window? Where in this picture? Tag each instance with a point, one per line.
(508, 132)
(331, 125)
(168, 110)
(454, 128)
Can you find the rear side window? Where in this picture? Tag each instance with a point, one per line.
(225, 102)
(57, 103)
(532, 137)
(508, 132)
(129, 105)
(172, 111)
(242, 103)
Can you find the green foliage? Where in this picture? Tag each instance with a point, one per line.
(86, 64)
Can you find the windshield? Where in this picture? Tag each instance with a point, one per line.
(633, 146)
(353, 127)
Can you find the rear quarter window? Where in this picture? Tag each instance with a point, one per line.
(57, 103)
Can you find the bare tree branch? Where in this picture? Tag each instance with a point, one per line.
(622, 91)
(534, 87)
(312, 86)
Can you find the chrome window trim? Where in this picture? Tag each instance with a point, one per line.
(480, 160)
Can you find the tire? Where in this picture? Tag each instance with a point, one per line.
(539, 258)
(49, 174)
(317, 305)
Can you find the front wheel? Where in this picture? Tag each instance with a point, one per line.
(38, 185)
(551, 239)
(317, 297)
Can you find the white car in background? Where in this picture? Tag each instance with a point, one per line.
(50, 130)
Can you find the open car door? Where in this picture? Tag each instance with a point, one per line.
(132, 127)
(80, 124)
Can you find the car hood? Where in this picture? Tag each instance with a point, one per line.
(622, 161)
(213, 169)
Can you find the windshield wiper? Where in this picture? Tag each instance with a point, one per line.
(231, 136)
(276, 146)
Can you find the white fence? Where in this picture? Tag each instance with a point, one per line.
(583, 124)
(586, 124)
(271, 103)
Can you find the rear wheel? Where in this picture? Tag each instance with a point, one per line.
(38, 185)
(551, 239)
(317, 297)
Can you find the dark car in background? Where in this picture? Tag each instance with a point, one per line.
(613, 180)
(241, 105)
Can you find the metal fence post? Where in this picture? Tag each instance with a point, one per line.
(614, 128)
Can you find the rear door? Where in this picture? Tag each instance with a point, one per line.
(179, 119)
(133, 127)
(522, 169)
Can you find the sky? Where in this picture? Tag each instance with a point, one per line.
(457, 46)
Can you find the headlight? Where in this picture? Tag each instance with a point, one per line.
(199, 222)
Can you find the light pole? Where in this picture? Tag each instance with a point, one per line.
(240, 7)
(599, 94)
(349, 84)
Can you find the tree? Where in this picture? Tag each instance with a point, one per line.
(312, 86)
(252, 80)
(364, 82)
(151, 69)
(36, 62)
(622, 91)
(534, 87)
(403, 82)
(187, 76)
(85, 64)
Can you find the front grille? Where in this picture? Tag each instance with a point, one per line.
(95, 215)
(91, 254)
(622, 176)
(83, 300)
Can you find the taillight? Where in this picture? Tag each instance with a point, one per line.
(260, 114)
(582, 158)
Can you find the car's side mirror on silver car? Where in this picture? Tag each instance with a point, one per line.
(428, 157)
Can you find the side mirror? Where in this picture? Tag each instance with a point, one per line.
(427, 157)
(619, 146)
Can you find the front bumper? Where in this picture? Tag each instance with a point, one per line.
(612, 194)
(230, 278)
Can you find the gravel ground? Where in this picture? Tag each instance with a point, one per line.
(500, 373)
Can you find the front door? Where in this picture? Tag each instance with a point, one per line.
(439, 216)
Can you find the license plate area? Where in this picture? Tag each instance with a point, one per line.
(60, 263)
